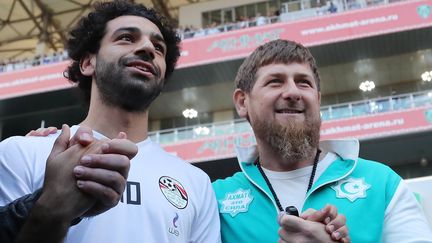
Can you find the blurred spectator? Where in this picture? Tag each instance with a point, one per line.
(243, 22)
(2, 67)
(353, 4)
(332, 8)
(213, 29)
(188, 32)
(260, 20)
(200, 32)
(12, 64)
(276, 17)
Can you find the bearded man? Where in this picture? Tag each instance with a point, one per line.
(278, 92)
(121, 55)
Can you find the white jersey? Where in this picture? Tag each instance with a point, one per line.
(166, 199)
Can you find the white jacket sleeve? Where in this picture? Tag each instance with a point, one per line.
(404, 219)
(15, 174)
(206, 227)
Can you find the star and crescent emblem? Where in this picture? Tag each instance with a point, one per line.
(351, 188)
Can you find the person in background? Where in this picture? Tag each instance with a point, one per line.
(332, 8)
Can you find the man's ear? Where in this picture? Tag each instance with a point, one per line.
(88, 65)
(240, 98)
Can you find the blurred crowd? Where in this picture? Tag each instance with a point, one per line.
(14, 64)
(325, 7)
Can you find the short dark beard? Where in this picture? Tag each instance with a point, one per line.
(294, 142)
(117, 88)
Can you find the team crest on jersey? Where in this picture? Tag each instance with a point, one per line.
(236, 202)
(173, 191)
(351, 188)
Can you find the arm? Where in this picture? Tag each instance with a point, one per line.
(103, 186)
(404, 220)
(60, 201)
(14, 214)
(207, 226)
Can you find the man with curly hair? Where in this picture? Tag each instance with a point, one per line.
(121, 55)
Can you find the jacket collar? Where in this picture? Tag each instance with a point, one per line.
(346, 149)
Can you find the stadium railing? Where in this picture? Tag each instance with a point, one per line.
(293, 11)
(332, 112)
(290, 11)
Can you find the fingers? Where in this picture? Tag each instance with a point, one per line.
(335, 223)
(113, 162)
(345, 239)
(309, 214)
(283, 235)
(103, 177)
(325, 215)
(337, 228)
(291, 222)
(105, 195)
(120, 146)
(341, 234)
(331, 213)
(83, 136)
(107, 178)
(62, 141)
(42, 132)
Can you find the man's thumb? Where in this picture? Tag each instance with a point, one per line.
(62, 141)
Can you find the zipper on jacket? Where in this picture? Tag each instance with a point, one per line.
(259, 187)
(329, 182)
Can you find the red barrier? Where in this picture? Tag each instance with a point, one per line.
(371, 126)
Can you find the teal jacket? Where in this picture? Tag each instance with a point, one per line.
(362, 190)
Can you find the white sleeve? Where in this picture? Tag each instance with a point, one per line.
(15, 171)
(404, 219)
(206, 227)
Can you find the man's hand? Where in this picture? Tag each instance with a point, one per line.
(60, 194)
(325, 225)
(42, 132)
(335, 223)
(104, 175)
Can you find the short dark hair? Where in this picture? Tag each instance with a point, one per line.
(277, 51)
(86, 36)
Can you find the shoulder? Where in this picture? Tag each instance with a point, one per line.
(228, 184)
(374, 167)
(170, 161)
(22, 163)
(26, 145)
(379, 175)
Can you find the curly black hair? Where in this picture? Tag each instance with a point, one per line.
(86, 36)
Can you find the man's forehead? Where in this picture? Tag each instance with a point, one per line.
(132, 22)
(283, 68)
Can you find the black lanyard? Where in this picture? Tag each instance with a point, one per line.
(311, 178)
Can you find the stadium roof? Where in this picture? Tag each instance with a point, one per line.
(26, 23)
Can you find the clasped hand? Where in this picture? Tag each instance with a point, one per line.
(325, 225)
(85, 176)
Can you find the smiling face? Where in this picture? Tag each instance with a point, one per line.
(283, 109)
(130, 64)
